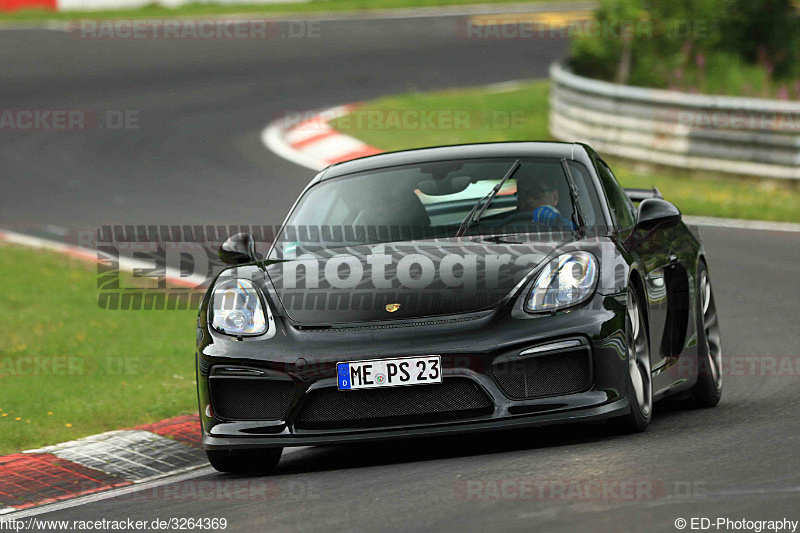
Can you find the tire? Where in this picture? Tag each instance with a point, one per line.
(640, 379)
(707, 392)
(262, 461)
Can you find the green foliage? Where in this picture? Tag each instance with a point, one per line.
(749, 47)
(597, 54)
(765, 32)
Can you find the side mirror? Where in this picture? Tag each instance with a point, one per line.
(655, 211)
(238, 249)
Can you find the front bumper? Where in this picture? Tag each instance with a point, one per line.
(470, 350)
(607, 410)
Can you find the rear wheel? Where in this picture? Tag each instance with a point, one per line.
(263, 461)
(708, 389)
(640, 380)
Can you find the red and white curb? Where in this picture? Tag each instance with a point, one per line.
(133, 455)
(104, 5)
(313, 143)
(100, 463)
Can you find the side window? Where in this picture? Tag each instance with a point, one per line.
(618, 202)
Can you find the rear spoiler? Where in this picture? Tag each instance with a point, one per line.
(637, 195)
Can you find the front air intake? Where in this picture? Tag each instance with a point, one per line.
(552, 374)
(250, 398)
(453, 399)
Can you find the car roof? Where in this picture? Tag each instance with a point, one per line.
(559, 150)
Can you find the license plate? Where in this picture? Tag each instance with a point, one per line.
(389, 372)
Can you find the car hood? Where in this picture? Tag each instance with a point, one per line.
(402, 281)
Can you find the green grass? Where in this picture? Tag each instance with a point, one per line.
(105, 369)
(715, 195)
(521, 114)
(199, 9)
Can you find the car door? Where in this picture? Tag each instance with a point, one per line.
(649, 252)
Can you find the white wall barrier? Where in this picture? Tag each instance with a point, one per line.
(746, 136)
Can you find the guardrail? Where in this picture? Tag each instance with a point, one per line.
(747, 136)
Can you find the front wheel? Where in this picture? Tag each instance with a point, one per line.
(263, 461)
(640, 380)
(707, 392)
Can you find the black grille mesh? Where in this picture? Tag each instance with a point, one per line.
(237, 398)
(453, 399)
(546, 375)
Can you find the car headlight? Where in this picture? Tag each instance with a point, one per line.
(237, 310)
(567, 280)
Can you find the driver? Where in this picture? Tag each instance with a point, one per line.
(537, 198)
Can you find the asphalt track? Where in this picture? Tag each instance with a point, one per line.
(196, 158)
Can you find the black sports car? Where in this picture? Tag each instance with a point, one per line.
(454, 289)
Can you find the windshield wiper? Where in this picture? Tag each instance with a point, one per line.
(580, 222)
(471, 217)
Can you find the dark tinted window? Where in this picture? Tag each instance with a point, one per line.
(434, 198)
(619, 204)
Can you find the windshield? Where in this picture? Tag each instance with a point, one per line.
(432, 200)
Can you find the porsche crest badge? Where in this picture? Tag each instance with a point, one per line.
(392, 307)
